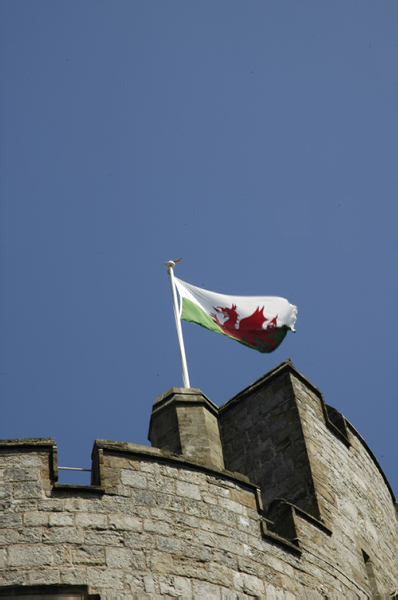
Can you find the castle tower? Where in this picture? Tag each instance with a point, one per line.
(272, 494)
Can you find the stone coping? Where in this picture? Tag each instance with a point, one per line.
(184, 395)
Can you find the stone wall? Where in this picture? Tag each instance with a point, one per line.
(156, 523)
(263, 438)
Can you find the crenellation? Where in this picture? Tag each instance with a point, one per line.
(291, 510)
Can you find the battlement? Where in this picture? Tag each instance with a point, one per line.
(273, 492)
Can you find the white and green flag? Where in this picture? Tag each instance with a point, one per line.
(260, 322)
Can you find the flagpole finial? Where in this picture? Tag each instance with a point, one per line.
(170, 264)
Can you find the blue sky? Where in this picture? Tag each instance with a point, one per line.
(259, 141)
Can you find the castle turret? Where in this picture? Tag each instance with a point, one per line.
(185, 421)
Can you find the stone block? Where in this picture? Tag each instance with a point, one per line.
(230, 545)
(207, 538)
(144, 498)
(27, 490)
(134, 479)
(208, 498)
(204, 589)
(62, 554)
(185, 474)
(88, 555)
(175, 586)
(196, 508)
(32, 535)
(224, 557)
(34, 460)
(220, 574)
(111, 579)
(76, 505)
(162, 484)
(135, 582)
(160, 562)
(142, 512)
(151, 583)
(123, 522)
(222, 515)
(123, 490)
(158, 527)
(171, 545)
(102, 538)
(60, 520)
(72, 576)
(233, 506)
(51, 505)
(29, 555)
(102, 507)
(198, 552)
(169, 502)
(150, 467)
(10, 520)
(248, 525)
(188, 490)
(35, 519)
(18, 474)
(185, 567)
(91, 521)
(8, 537)
(248, 584)
(5, 491)
(186, 520)
(61, 535)
(44, 577)
(247, 566)
(14, 577)
(139, 541)
(124, 558)
(21, 506)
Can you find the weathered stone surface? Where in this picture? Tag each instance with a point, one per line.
(27, 490)
(44, 577)
(72, 576)
(184, 421)
(36, 519)
(89, 555)
(61, 520)
(29, 555)
(91, 521)
(17, 474)
(61, 535)
(10, 520)
(134, 479)
(111, 579)
(124, 523)
(125, 558)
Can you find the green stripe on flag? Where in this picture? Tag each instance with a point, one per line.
(192, 313)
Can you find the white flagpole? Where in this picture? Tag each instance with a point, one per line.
(170, 268)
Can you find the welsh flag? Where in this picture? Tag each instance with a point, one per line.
(260, 322)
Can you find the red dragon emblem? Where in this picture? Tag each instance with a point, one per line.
(250, 330)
